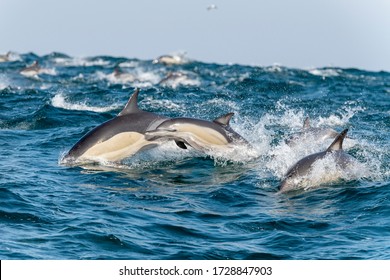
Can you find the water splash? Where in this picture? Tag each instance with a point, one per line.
(59, 101)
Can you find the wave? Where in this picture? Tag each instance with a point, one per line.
(80, 61)
(137, 78)
(4, 82)
(327, 72)
(59, 101)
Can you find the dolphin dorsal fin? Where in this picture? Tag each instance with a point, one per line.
(306, 123)
(132, 104)
(224, 120)
(338, 142)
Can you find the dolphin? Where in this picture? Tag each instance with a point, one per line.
(200, 134)
(177, 78)
(117, 138)
(5, 57)
(173, 76)
(299, 173)
(310, 133)
(123, 77)
(169, 60)
(32, 70)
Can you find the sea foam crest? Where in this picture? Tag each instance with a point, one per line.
(324, 73)
(4, 82)
(80, 61)
(59, 101)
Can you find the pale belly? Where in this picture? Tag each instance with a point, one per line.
(116, 148)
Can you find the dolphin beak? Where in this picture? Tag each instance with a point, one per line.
(158, 133)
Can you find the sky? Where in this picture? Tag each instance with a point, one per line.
(293, 33)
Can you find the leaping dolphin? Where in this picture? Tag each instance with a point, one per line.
(32, 70)
(311, 133)
(299, 173)
(123, 77)
(117, 138)
(169, 60)
(5, 57)
(202, 135)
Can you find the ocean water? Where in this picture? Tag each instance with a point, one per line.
(169, 203)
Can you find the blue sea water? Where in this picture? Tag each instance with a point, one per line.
(169, 203)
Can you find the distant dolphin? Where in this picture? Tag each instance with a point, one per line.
(123, 77)
(298, 173)
(32, 70)
(310, 133)
(169, 59)
(202, 135)
(175, 79)
(173, 76)
(117, 138)
(5, 57)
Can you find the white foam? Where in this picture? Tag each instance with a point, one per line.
(129, 64)
(227, 105)
(137, 78)
(4, 81)
(275, 68)
(163, 104)
(324, 73)
(147, 77)
(233, 153)
(80, 61)
(59, 101)
(48, 71)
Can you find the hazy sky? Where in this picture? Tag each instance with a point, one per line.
(294, 33)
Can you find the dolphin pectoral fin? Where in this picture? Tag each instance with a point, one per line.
(181, 144)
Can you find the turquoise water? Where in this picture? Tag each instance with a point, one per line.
(169, 203)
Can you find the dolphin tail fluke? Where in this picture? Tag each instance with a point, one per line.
(132, 104)
(338, 142)
(224, 120)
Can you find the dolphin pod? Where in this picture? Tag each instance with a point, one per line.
(134, 130)
(117, 138)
